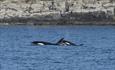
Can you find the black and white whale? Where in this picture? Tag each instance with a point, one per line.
(42, 43)
(65, 42)
(61, 42)
(46, 43)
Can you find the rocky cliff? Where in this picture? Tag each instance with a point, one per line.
(55, 12)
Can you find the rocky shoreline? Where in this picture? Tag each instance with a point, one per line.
(62, 19)
(61, 22)
(56, 13)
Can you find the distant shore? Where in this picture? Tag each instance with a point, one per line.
(61, 22)
(57, 13)
(93, 18)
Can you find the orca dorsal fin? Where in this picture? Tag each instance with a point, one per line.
(60, 40)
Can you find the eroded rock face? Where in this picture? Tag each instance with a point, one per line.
(35, 8)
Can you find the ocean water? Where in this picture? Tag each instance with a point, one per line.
(97, 53)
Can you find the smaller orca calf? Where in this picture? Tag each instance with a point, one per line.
(65, 42)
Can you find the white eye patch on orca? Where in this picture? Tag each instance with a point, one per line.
(40, 43)
(67, 43)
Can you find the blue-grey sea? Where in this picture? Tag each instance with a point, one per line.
(97, 53)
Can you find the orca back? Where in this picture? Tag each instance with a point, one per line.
(42, 42)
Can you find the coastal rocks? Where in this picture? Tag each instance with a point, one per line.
(40, 11)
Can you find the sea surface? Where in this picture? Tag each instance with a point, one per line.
(97, 52)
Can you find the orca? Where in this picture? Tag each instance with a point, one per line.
(42, 43)
(68, 43)
(61, 42)
(46, 43)
(65, 42)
